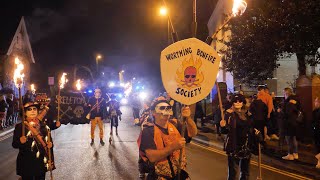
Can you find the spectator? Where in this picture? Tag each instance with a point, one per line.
(316, 128)
(259, 113)
(267, 99)
(9, 99)
(3, 111)
(291, 110)
(272, 126)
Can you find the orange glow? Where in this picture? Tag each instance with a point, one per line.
(239, 6)
(63, 80)
(18, 75)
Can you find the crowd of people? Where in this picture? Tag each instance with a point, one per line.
(9, 107)
(276, 119)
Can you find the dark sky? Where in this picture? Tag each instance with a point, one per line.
(129, 33)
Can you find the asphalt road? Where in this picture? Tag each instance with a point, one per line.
(77, 160)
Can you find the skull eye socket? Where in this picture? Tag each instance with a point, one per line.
(188, 76)
(165, 108)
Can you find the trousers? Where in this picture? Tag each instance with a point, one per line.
(234, 164)
(94, 122)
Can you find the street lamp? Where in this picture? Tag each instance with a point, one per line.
(98, 57)
(164, 12)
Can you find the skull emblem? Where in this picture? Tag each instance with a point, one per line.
(190, 74)
(78, 111)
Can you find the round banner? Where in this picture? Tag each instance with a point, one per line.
(189, 69)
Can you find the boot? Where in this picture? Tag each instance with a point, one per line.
(101, 142)
(92, 142)
(111, 132)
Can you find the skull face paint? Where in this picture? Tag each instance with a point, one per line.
(32, 112)
(97, 93)
(190, 74)
(164, 112)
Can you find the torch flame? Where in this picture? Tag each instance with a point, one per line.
(63, 80)
(78, 85)
(239, 6)
(18, 75)
(32, 88)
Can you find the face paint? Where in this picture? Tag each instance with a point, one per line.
(164, 108)
(97, 93)
(31, 112)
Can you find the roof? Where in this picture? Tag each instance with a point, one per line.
(7, 31)
(8, 44)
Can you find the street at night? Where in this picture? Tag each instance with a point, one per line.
(76, 159)
(159, 90)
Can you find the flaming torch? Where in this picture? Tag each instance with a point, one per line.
(18, 81)
(78, 85)
(62, 82)
(33, 90)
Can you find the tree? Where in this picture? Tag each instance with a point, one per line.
(299, 24)
(270, 29)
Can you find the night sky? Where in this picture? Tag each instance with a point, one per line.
(129, 33)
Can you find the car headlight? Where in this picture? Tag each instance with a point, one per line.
(124, 101)
(143, 95)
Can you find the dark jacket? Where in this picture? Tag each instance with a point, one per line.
(241, 141)
(316, 127)
(27, 162)
(291, 108)
(3, 106)
(98, 111)
(259, 110)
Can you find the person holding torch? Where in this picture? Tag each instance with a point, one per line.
(35, 155)
(161, 141)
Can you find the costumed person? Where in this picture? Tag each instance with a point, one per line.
(97, 105)
(35, 156)
(114, 113)
(316, 128)
(241, 139)
(161, 141)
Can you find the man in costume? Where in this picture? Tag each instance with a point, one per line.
(114, 113)
(97, 105)
(35, 156)
(161, 141)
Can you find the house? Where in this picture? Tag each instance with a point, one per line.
(14, 42)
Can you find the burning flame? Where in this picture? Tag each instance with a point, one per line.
(63, 80)
(239, 6)
(32, 88)
(18, 75)
(78, 85)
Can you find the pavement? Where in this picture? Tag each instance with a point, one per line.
(271, 155)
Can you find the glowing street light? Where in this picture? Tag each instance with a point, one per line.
(163, 11)
(98, 57)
